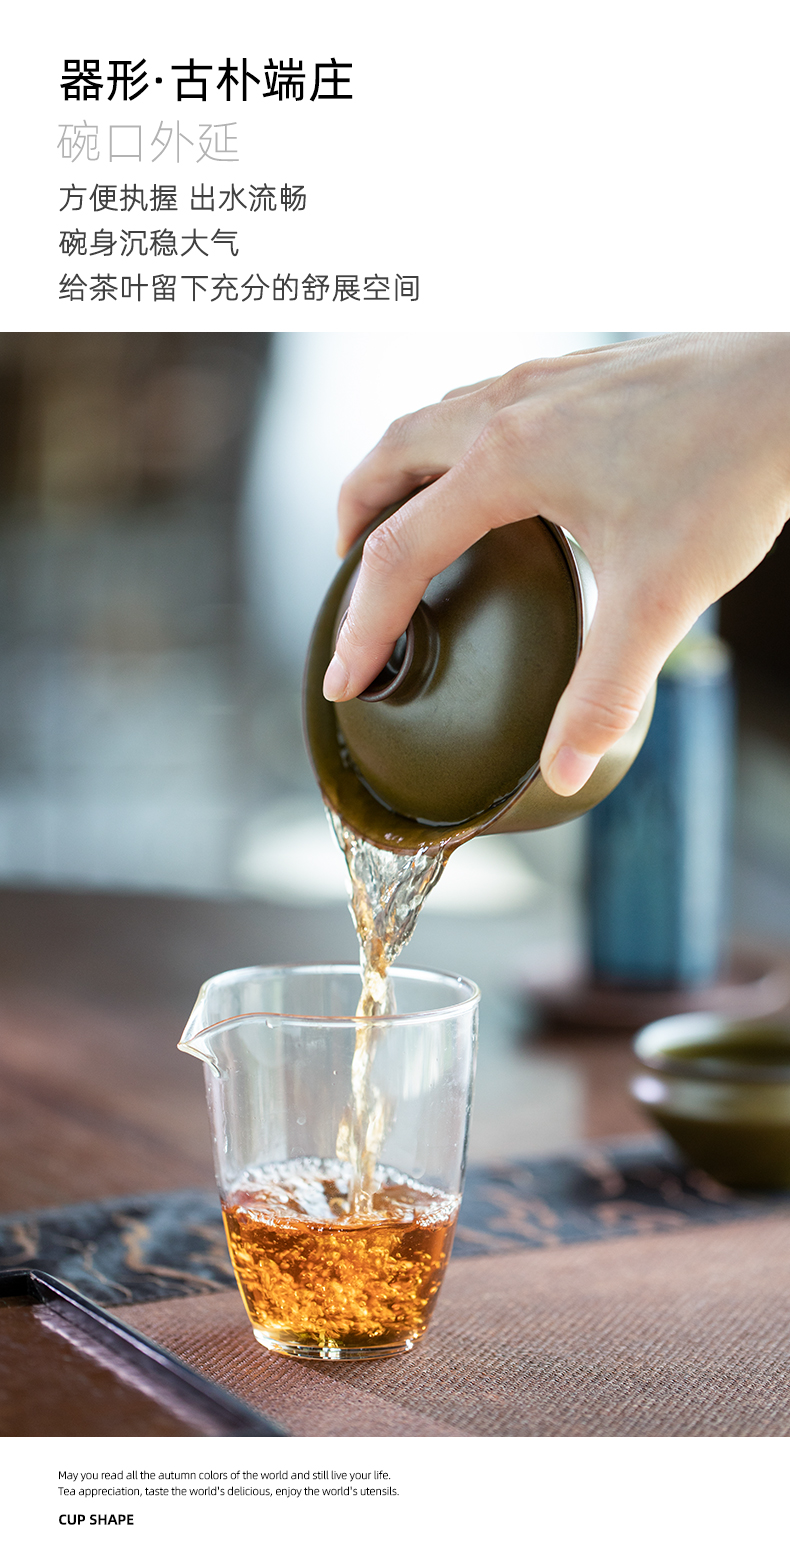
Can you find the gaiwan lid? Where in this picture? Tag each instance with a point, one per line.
(451, 731)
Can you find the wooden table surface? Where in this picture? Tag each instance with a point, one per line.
(95, 1101)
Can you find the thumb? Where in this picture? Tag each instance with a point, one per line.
(621, 658)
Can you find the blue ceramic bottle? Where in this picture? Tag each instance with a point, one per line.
(659, 849)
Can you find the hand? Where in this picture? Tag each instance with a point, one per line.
(668, 459)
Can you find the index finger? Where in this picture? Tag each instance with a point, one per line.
(402, 555)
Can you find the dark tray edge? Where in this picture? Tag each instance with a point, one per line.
(204, 1397)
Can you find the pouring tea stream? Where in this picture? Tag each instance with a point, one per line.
(445, 744)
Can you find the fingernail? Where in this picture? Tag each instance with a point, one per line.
(569, 770)
(335, 680)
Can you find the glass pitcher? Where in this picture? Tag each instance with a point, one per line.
(337, 1256)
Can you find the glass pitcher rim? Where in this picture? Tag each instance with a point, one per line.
(335, 1020)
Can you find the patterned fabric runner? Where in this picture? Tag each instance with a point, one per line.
(165, 1245)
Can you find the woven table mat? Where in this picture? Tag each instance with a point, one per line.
(656, 1335)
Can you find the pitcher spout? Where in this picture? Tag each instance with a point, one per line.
(202, 1050)
(198, 1031)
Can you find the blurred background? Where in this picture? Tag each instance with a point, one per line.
(166, 535)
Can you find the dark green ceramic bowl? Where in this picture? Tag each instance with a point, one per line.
(445, 743)
(720, 1088)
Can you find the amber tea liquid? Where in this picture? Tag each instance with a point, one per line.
(318, 1281)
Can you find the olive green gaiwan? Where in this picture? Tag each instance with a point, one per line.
(721, 1089)
(445, 742)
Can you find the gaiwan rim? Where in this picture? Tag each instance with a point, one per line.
(659, 1044)
(331, 1020)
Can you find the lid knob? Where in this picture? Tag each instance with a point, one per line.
(412, 662)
